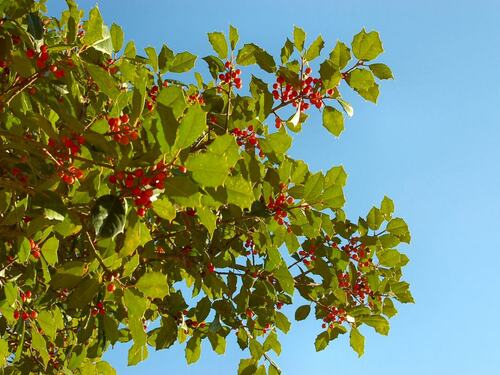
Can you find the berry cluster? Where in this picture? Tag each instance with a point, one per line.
(307, 256)
(140, 183)
(110, 67)
(25, 314)
(123, 133)
(42, 59)
(333, 316)
(62, 153)
(98, 309)
(280, 205)
(196, 98)
(153, 93)
(357, 251)
(309, 90)
(19, 175)
(360, 290)
(247, 138)
(35, 249)
(250, 246)
(230, 77)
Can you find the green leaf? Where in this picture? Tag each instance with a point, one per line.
(165, 58)
(167, 334)
(183, 62)
(153, 58)
(137, 234)
(272, 343)
(375, 218)
(218, 342)
(285, 278)
(116, 37)
(381, 71)
(68, 275)
(49, 250)
(108, 216)
(322, 341)
(388, 308)
(135, 303)
(153, 284)
(84, 293)
(93, 27)
(182, 190)
(208, 169)
(357, 341)
(136, 354)
(239, 192)
(252, 54)
(367, 46)
(314, 49)
(193, 349)
(11, 293)
(164, 209)
(379, 323)
(329, 74)
(247, 366)
(233, 36)
(341, 55)
(39, 344)
(399, 228)
(387, 207)
(104, 80)
(286, 51)
(191, 127)
(130, 50)
(302, 312)
(299, 37)
(391, 258)
(219, 44)
(282, 322)
(46, 321)
(361, 79)
(346, 107)
(35, 25)
(333, 120)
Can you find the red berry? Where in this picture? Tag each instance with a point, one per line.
(28, 294)
(16, 315)
(25, 315)
(182, 169)
(33, 314)
(111, 287)
(124, 118)
(44, 48)
(141, 212)
(211, 268)
(30, 53)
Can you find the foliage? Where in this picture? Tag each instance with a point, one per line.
(128, 197)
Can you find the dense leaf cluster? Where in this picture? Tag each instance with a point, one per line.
(136, 207)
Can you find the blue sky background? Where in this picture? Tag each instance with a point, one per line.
(431, 144)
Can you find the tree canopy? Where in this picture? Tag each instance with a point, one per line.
(142, 203)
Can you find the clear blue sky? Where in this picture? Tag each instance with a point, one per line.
(432, 144)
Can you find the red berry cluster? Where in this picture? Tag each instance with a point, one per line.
(279, 305)
(250, 246)
(109, 66)
(357, 251)
(42, 59)
(247, 138)
(153, 93)
(211, 267)
(194, 324)
(123, 133)
(98, 309)
(35, 250)
(63, 151)
(140, 183)
(19, 175)
(230, 77)
(279, 205)
(25, 314)
(307, 256)
(334, 316)
(360, 290)
(196, 98)
(309, 89)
